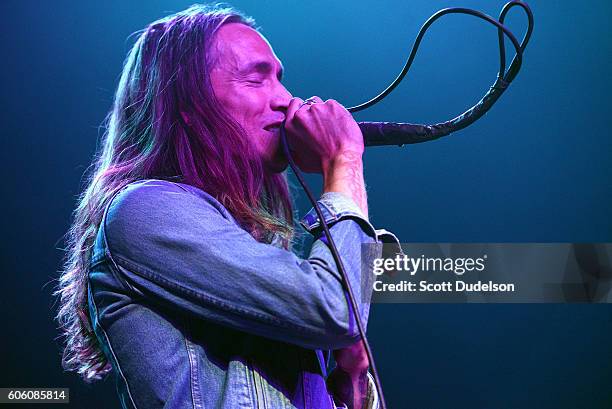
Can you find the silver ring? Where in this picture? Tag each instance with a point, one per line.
(308, 101)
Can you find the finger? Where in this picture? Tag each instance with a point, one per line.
(336, 106)
(333, 102)
(315, 99)
(293, 106)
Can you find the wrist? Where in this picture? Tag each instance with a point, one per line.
(341, 169)
(354, 368)
(344, 174)
(347, 159)
(352, 358)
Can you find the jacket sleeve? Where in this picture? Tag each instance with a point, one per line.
(176, 245)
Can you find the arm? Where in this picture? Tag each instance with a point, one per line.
(342, 168)
(177, 246)
(349, 381)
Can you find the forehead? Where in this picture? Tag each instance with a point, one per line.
(239, 45)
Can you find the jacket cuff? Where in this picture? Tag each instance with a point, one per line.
(336, 206)
(391, 244)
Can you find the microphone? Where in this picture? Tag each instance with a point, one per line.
(399, 133)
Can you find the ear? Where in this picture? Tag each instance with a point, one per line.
(185, 118)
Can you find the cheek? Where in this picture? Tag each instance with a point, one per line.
(229, 96)
(244, 106)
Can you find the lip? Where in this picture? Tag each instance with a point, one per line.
(273, 127)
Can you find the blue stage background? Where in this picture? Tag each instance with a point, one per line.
(536, 168)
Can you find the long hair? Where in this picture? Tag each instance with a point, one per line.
(166, 73)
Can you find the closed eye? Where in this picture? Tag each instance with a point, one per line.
(263, 69)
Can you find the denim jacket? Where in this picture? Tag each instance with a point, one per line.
(192, 312)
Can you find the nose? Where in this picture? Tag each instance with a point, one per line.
(281, 98)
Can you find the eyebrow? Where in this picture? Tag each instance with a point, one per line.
(263, 67)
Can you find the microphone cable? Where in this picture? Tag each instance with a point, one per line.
(426, 132)
(391, 133)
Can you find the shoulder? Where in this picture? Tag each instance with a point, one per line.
(153, 204)
(157, 189)
(154, 194)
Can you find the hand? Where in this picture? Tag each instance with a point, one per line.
(348, 382)
(321, 133)
(353, 358)
(348, 388)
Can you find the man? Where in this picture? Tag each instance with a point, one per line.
(179, 276)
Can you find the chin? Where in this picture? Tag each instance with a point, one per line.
(277, 162)
(277, 165)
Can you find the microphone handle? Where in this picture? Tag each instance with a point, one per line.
(398, 133)
(393, 133)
